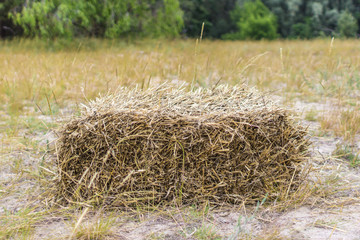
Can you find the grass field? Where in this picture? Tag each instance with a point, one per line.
(41, 84)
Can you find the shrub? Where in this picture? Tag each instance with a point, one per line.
(302, 30)
(112, 18)
(347, 25)
(7, 27)
(254, 21)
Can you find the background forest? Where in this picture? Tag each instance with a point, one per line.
(226, 19)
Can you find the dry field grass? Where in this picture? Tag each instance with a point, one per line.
(42, 86)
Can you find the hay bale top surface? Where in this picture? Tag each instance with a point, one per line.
(222, 100)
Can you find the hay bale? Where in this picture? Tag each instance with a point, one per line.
(225, 145)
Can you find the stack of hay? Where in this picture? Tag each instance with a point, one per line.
(226, 145)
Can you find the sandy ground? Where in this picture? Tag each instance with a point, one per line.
(333, 214)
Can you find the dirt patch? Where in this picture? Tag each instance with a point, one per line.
(332, 223)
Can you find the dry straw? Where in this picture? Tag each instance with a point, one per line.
(165, 144)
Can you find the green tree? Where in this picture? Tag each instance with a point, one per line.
(310, 18)
(347, 25)
(100, 18)
(45, 19)
(214, 13)
(324, 15)
(166, 20)
(155, 18)
(254, 21)
(286, 12)
(301, 30)
(7, 28)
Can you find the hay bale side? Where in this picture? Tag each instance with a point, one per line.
(222, 146)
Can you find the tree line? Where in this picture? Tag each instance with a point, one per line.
(225, 19)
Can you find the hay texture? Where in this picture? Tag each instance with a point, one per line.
(226, 145)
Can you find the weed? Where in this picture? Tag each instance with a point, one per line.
(19, 225)
(325, 223)
(97, 227)
(239, 227)
(156, 236)
(36, 125)
(97, 230)
(344, 122)
(17, 165)
(348, 153)
(206, 232)
(311, 115)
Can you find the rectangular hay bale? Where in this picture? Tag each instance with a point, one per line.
(226, 145)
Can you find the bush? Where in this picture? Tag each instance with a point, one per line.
(7, 27)
(254, 21)
(214, 13)
(112, 18)
(347, 25)
(302, 30)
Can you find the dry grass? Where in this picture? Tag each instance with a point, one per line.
(307, 70)
(40, 85)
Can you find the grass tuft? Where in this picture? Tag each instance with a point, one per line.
(348, 153)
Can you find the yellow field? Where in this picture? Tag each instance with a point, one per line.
(319, 80)
(312, 69)
(308, 70)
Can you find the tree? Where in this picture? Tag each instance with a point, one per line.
(214, 13)
(310, 18)
(286, 12)
(168, 19)
(324, 15)
(347, 25)
(231, 19)
(301, 30)
(100, 18)
(7, 28)
(254, 21)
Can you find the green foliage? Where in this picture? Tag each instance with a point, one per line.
(168, 20)
(302, 30)
(207, 232)
(311, 18)
(347, 153)
(42, 19)
(227, 19)
(214, 13)
(347, 25)
(287, 13)
(7, 27)
(111, 19)
(254, 21)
